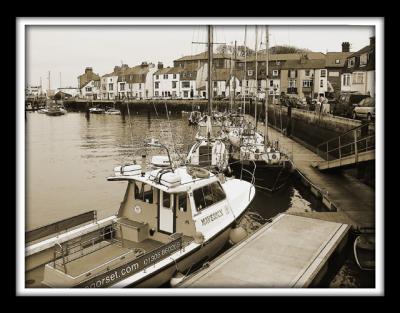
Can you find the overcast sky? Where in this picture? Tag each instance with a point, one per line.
(69, 49)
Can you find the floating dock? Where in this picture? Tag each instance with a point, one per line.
(348, 199)
(290, 252)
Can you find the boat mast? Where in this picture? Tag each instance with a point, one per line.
(209, 69)
(255, 106)
(234, 79)
(245, 69)
(266, 80)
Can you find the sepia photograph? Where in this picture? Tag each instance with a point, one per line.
(200, 156)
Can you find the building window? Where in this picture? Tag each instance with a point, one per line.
(122, 86)
(157, 77)
(156, 85)
(165, 76)
(363, 59)
(110, 86)
(292, 73)
(351, 62)
(130, 86)
(337, 61)
(346, 80)
(185, 94)
(183, 74)
(156, 93)
(174, 93)
(275, 73)
(307, 73)
(358, 78)
(88, 89)
(307, 83)
(190, 74)
(323, 73)
(215, 84)
(174, 76)
(247, 83)
(173, 84)
(271, 83)
(321, 84)
(278, 62)
(292, 83)
(250, 73)
(185, 84)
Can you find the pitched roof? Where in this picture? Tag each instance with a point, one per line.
(331, 58)
(204, 56)
(169, 70)
(261, 56)
(307, 64)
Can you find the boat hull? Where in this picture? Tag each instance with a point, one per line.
(270, 177)
(198, 256)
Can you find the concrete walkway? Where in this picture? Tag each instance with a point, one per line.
(289, 252)
(354, 200)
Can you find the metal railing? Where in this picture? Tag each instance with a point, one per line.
(351, 143)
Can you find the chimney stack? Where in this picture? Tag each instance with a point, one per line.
(346, 46)
(160, 65)
(372, 41)
(88, 70)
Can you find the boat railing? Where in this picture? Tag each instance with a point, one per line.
(70, 251)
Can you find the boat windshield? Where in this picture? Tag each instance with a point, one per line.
(208, 195)
(143, 192)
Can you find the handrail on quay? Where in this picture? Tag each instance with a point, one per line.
(352, 142)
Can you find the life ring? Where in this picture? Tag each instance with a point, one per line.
(198, 172)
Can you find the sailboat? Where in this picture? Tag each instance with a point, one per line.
(253, 156)
(209, 149)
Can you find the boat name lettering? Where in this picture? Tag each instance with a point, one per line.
(133, 267)
(211, 217)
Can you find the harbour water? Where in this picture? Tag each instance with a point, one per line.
(69, 157)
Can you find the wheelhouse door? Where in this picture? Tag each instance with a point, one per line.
(166, 216)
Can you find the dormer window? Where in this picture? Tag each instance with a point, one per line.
(275, 73)
(250, 72)
(363, 59)
(337, 61)
(351, 62)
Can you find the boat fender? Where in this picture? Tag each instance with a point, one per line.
(237, 234)
(199, 237)
(176, 279)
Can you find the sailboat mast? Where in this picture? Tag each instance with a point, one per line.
(245, 68)
(234, 79)
(209, 69)
(256, 88)
(266, 80)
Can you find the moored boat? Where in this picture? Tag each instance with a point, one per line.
(194, 212)
(96, 110)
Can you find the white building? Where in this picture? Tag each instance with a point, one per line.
(91, 90)
(166, 82)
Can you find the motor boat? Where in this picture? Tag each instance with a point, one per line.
(169, 220)
(96, 110)
(113, 112)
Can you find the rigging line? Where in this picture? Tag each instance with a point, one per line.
(130, 124)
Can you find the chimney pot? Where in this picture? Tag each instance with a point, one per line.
(345, 46)
(372, 41)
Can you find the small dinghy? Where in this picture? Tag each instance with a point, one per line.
(364, 252)
(96, 110)
(113, 112)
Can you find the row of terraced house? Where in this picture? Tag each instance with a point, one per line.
(307, 74)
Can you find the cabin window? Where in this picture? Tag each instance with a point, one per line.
(182, 203)
(143, 192)
(167, 200)
(208, 195)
